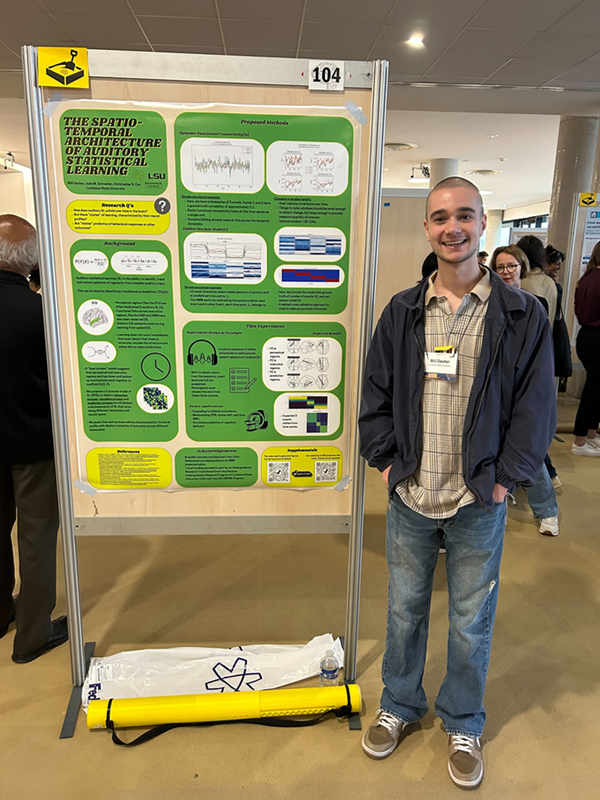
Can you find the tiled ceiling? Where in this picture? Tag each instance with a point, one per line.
(487, 43)
(537, 43)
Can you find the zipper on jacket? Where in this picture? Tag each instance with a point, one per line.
(419, 414)
(478, 409)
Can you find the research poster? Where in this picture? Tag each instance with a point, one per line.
(208, 271)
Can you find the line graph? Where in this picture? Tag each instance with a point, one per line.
(307, 168)
(222, 165)
(324, 162)
(292, 161)
(291, 183)
(324, 184)
(231, 165)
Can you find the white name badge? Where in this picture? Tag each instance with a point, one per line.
(441, 366)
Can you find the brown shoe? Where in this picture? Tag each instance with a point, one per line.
(465, 760)
(381, 738)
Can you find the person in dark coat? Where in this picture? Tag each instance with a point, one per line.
(458, 409)
(27, 477)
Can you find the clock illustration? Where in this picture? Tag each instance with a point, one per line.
(156, 366)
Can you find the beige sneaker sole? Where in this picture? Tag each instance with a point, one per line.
(464, 784)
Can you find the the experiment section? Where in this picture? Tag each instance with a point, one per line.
(208, 268)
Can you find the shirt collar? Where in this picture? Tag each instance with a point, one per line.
(481, 290)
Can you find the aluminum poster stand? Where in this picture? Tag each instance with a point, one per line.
(205, 69)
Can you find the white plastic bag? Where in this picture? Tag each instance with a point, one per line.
(199, 670)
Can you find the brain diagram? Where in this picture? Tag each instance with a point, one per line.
(308, 356)
(94, 317)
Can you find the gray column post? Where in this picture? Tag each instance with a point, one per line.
(573, 172)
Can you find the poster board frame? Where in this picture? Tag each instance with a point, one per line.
(219, 70)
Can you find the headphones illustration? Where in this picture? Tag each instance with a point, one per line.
(202, 359)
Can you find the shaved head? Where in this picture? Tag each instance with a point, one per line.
(454, 182)
(18, 245)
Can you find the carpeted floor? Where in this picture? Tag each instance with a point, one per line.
(542, 740)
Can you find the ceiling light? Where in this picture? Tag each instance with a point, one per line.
(400, 146)
(485, 172)
(416, 40)
(492, 136)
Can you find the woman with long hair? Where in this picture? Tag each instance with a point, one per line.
(537, 282)
(512, 265)
(587, 310)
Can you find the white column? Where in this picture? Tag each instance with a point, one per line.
(573, 172)
(494, 228)
(442, 168)
(596, 173)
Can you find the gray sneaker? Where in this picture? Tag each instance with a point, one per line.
(465, 761)
(381, 738)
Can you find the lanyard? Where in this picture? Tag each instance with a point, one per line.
(450, 333)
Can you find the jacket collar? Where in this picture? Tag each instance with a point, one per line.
(510, 299)
(13, 277)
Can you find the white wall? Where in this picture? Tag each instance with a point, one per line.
(531, 210)
(402, 247)
(12, 193)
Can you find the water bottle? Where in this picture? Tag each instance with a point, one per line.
(330, 670)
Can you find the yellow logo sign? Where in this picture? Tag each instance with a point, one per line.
(62, 66)
(587, 199)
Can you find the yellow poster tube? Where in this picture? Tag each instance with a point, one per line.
(149, 711)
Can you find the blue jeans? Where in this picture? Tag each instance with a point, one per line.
(542, 497)
(474, 540)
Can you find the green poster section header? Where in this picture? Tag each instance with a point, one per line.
(108, 153)
(123, 298)
(264, 210)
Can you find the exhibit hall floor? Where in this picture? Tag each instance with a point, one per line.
(542, 739)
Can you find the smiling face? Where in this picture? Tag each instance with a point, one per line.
(509, 269)
(454, 224)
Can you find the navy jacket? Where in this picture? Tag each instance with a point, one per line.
(511, 415)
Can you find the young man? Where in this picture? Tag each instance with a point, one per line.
(458, 409)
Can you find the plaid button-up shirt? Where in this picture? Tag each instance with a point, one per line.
(437, 487)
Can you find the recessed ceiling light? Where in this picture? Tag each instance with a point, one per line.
(416, 40)
(401, 146)
(492, 136)
(484, 172)
(386, 169)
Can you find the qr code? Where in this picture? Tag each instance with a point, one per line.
(278, 472)
(326, 471)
